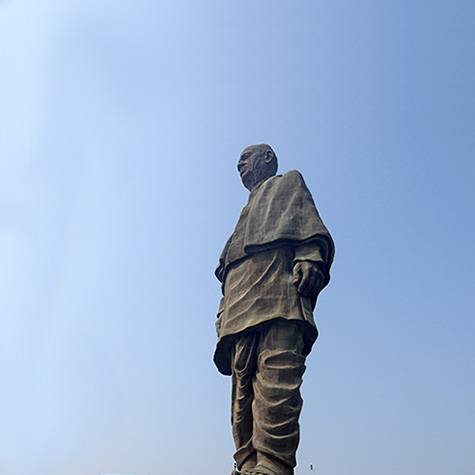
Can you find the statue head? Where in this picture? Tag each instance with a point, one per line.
(256, 164)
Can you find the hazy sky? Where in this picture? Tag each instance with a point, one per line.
(120, 128)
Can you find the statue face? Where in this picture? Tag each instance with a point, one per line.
(252, 166)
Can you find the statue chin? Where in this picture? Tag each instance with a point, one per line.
(248, 182)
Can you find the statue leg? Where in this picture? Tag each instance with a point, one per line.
(243, 369)
(277, 401)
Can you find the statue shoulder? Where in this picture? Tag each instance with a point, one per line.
(293, 175)
(293, 178)
(291, 182)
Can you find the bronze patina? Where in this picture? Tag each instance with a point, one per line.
(271, 270)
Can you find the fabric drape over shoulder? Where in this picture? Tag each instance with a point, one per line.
(280, 212)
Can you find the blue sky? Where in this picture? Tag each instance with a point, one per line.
(120, 128)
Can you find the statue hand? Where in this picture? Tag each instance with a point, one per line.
(307, 277)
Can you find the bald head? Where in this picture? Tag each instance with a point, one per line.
(256, 164)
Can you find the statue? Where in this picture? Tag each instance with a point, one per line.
(271, 270)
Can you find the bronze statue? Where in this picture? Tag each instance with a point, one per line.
(272, 269)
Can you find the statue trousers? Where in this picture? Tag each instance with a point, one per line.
(267, 370)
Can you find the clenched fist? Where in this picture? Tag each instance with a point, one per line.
(308, 278)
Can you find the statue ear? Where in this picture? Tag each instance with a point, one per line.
(268, 156)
